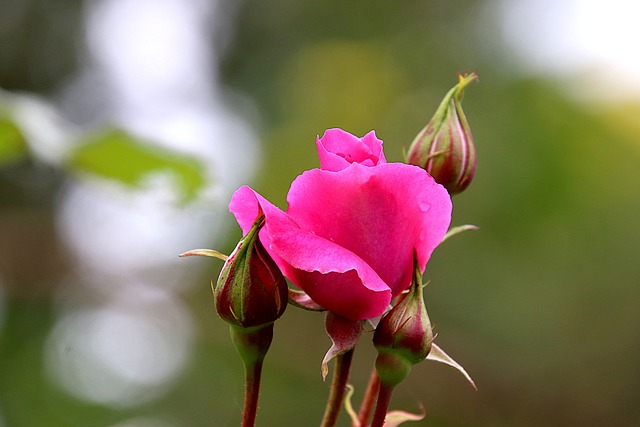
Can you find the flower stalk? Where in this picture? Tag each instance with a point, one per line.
(250, 295)
(339, 381)
(347, 241)
(403, 338)
(252, 345)
(369, 400)
(382, 407)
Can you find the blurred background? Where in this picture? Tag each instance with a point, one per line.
(125, 126)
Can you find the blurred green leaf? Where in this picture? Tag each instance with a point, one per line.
(116, 155)
(12, 144)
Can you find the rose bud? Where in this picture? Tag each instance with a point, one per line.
(404, 335)
(251, 294)
(445, 148)
(251, 290)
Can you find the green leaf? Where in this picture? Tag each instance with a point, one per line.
(12, 144)
(116, 155)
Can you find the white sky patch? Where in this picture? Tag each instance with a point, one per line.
(593, 41)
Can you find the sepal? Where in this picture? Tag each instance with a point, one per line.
(438, 355)
(457, 230)
(393, 418)
(251, 290)
(344, 334)
(210, 253)
(300, 299)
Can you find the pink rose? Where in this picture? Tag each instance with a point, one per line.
(348, 236)
(338, 149)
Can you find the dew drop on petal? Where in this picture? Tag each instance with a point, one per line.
(424, 205)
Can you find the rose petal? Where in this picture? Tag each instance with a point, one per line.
(380, 214)
(244, 206)
(331, 275)
(348, 237)
(344, 293)
(338, 149)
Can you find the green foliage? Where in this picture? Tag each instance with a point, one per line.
(12, 144)
(116, 155)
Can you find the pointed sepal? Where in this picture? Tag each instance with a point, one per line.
(344, 334)
(457, 230)
(210, 253)
(395, 418)
(348, 407)
(300, 299)
(438, 355)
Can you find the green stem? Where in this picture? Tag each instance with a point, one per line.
(338, 389)
(384, 399)
(369, 399)
(252, 345)
(252, 376)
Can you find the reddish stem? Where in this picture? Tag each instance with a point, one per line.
(338, 389)
(369, 399)
(384, 399)
(252, 374)
(252, 345)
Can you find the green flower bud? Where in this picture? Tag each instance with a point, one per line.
(251, 291)
(445, 148)
(404, 335)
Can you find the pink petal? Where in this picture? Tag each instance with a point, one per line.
(344, 293)
(380, 214)
(331, 275)
(338, 149)
(244, 206)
